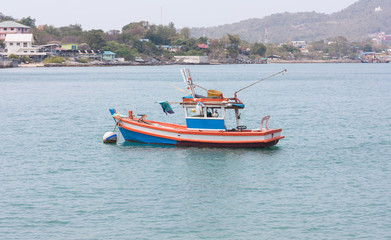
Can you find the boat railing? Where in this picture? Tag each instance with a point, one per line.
(265, 120)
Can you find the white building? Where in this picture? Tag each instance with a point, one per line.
(21, 45)
(299, 44)
(192, 59)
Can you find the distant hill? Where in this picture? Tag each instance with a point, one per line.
(354, 22)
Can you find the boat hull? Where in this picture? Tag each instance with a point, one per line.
(152, 132)
(228, 145)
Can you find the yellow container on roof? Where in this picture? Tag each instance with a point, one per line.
(214, 93)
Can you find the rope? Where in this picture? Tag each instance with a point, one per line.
(116, 124)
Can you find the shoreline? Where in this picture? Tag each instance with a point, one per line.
(270, 61)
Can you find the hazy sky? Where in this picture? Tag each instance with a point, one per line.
(114, 14)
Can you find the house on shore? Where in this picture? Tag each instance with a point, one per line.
(11, 27)
(22, 45)
(108, 56)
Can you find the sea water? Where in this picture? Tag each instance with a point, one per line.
(330, 178)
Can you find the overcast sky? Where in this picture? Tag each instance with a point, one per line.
(114, 14)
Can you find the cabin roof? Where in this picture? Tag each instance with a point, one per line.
(223, 102)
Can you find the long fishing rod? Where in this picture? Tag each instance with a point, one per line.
(283, 71)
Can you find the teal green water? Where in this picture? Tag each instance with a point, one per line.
(330, 178)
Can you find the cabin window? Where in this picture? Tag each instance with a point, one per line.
(24, 44)
(5, 29)
(209, 112)
(214, 112)
(194, 112)
(12, 29)
(17, 44)
(11, 44)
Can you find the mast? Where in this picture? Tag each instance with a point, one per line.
(187, 79)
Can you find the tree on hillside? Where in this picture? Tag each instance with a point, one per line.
(51, 30)
(233, 48)
(153, 36)
(234, 39)
(162, 35)
(339, 47)
(202, 40)
(136, 29)
(289, 48)
(185, 33)
(258, 49)
(71, 30)
(113, 35)
(95, 39)
(46, 35)
(147, 48)
(28, 21)
(121, 50)
(316, 46)
(5, 18)
(217, 49)
(367, 48)
(71, 39)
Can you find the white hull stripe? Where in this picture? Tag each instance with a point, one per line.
(202, 138)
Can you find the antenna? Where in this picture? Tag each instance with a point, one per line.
(283, 71)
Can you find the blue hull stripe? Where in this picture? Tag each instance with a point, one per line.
(138, 137)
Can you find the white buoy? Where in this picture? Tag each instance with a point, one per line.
(110, 137)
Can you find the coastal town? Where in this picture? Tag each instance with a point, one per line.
(140, 43)
(177, 120)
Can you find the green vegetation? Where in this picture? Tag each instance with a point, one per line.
(82, 60)
(28, 21)
(95, 39)
(14, 57)
(141, 39)
(54, 59)
(26, 59)
(121, 50)
(228, 43)
(258, 49)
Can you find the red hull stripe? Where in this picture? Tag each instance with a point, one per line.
(201, 141)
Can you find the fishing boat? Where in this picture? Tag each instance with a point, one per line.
(206, 124)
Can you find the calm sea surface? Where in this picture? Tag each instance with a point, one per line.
(330, 178)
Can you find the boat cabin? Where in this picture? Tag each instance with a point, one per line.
(208, 113)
